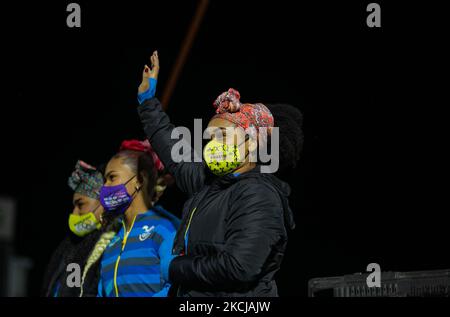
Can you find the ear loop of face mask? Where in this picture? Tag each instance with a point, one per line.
(93, 212)
(136, 189)
(247, 137)
(95, 209)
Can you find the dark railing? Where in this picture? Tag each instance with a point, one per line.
(393, 284)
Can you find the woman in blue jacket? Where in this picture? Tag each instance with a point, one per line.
(135, 248)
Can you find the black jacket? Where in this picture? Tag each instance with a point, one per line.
(71, 250)
(238, 232)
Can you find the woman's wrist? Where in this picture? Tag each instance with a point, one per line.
(150, 92)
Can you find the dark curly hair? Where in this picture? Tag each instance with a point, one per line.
(289, 120)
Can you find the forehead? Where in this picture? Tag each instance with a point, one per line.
(220, 123)
(117, 164)
(80, 197)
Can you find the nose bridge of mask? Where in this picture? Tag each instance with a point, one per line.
(95, 209)
(126, 183)
(243, 142)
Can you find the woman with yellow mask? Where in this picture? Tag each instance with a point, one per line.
(84, 222)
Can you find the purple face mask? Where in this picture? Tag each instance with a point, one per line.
(116, 198)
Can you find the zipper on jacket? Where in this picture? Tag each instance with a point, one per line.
(124, 243)
(187, 230)
(178, 292)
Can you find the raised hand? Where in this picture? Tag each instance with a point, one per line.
(149, 73)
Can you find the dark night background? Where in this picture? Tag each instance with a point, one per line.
(372, 182)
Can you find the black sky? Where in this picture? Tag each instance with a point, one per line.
(371, 185)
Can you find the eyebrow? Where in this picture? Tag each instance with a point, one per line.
(224, 130)
(109, 173)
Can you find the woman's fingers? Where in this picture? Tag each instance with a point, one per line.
(155, 65)
(144, 86)
(146, 72)
(155, 61)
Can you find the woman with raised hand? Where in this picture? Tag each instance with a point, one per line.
(137, 235)
(84, 222)
(234, 229)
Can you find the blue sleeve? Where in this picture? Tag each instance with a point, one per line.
(166, 257)
(165, 252)
(149, 93)
(100, 288)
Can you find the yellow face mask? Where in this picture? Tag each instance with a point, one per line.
(82, 225)
(221, 158)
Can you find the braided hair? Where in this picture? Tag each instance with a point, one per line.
(143, 164)
(111, 226)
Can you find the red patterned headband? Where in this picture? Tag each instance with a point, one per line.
(142, 146)
(229, 107)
